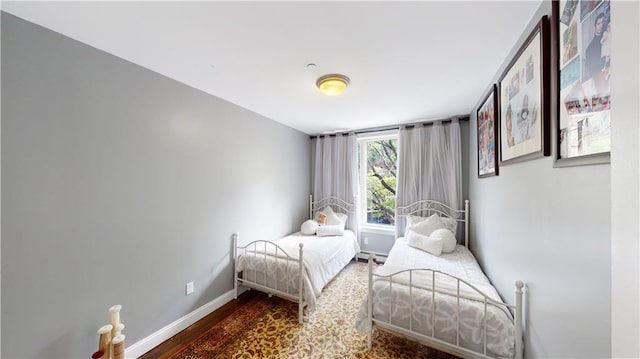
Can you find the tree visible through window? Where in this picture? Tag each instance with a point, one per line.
(380, 179)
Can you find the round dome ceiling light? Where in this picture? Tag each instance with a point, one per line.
(333, 84)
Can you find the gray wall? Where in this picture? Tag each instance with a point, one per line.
(625, 182)
(376, 242)
(551, 228)
(119, 186)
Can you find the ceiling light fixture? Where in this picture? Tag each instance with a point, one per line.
(333, 84)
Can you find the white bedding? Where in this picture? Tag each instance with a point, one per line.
(323, 258)
(460, 263)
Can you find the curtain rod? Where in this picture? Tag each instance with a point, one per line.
(392, 127)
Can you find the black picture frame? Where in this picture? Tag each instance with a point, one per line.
(487, 129)
(523, 94)
(582, 87)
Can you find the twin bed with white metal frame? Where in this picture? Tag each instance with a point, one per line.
(274, 267)
(468, 319)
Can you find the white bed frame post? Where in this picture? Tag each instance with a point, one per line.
(519, 354)
(235, 265)
(370, 301)
(466, 223)
(300, 288)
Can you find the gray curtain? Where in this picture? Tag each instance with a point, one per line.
(336, 171)
(429, 166)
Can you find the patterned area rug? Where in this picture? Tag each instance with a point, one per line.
(268, 328)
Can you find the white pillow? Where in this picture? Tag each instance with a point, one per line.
(309, 227)
(424, 243)
(413, 220)
(451, 224)
(428, 225)
(448, 239)
(332, 218)
(342, 217)
(330, 230)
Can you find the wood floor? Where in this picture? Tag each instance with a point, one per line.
(182, 339)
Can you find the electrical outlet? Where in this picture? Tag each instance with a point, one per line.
(189, 288)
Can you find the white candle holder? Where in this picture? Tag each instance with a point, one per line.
(119, 330)
(114, 316)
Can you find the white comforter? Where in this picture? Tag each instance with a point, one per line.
(394, 305)
(323, 258)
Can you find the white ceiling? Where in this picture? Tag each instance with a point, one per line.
(408, 61)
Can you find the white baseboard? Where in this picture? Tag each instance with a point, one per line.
(139, 348)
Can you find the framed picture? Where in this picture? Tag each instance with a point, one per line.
(487, 117)
(581, 36)
(524, 100)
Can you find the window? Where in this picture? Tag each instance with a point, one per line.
(377, 163)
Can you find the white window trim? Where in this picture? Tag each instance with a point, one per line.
(362, 183)
(388, 229)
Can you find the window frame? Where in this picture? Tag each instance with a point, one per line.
(362, 180)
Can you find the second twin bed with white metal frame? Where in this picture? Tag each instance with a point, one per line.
(468, 319)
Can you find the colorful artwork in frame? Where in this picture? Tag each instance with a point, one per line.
(582, 37)
(523, 100)
(487, 120)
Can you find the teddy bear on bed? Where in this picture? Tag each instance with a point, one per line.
(322, 218)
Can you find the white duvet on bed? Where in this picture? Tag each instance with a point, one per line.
(460, 263)
(393, 305)
(323, 258)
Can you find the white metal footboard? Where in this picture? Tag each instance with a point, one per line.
(264, 254)
(429, 336)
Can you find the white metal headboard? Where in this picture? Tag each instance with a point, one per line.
(427, 207)
(337, 204)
